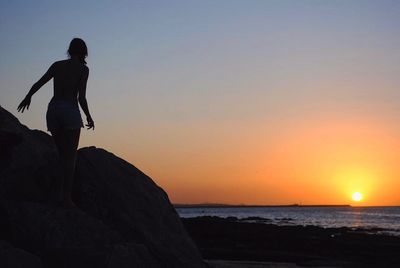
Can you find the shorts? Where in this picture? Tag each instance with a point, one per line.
(63, 115)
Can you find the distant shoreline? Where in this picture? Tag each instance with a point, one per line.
(211, 205)
(207, 205)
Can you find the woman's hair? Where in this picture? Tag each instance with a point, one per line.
(78, 47)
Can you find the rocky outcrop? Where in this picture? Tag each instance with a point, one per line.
(124, 219)
(11, 257)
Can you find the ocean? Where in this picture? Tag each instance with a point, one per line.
(377, 219)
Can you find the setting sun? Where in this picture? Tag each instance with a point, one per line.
(357, 196)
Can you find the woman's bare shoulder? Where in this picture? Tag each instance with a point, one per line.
(61, 62)
(67, 64)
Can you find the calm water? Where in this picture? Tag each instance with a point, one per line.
(386, 218)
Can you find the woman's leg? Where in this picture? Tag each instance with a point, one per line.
(71, 146)
(59, 140)
(67, 143)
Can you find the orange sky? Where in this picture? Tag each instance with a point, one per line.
(323, 160)
(254, 102)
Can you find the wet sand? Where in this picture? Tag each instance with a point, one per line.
(222, 241)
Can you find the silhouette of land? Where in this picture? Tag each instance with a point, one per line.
(217, 205)
(239, 241)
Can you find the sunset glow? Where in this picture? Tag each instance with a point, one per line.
(357, 196)
(238, 102)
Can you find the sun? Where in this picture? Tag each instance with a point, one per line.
(357, 196)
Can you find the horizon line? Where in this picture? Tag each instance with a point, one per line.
(206, 204)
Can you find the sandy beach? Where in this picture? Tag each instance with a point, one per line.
(234, 243)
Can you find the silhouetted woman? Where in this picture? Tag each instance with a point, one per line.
(63, 117)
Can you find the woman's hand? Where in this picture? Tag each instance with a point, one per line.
(90, 123)
(24, 104)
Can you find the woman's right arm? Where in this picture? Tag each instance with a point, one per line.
(43, 80)
(82, 98)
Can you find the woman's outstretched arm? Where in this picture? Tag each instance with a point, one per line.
(82, 98)
(43, 80)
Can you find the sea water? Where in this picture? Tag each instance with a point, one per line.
(379, 219)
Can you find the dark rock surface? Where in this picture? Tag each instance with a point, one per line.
(124, 219)
(306, 246)
(11, 257)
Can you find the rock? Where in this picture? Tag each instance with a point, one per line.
(131, 255)
(119, 194)
(124, 219)
(29, 161)
(11, 257)
(47, 227)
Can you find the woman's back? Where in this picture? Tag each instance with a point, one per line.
(63, 117)
(67, 77)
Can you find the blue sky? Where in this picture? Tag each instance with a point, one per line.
(170, 79)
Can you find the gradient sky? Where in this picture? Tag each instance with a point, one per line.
(254, 102)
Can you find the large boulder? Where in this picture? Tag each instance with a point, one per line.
(123, 218)
(11, 257)
(28, 161)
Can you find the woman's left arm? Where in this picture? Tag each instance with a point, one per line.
(43, 80)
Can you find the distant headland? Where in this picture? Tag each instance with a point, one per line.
(218, 205)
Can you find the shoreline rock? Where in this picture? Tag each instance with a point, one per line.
(228, 239)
